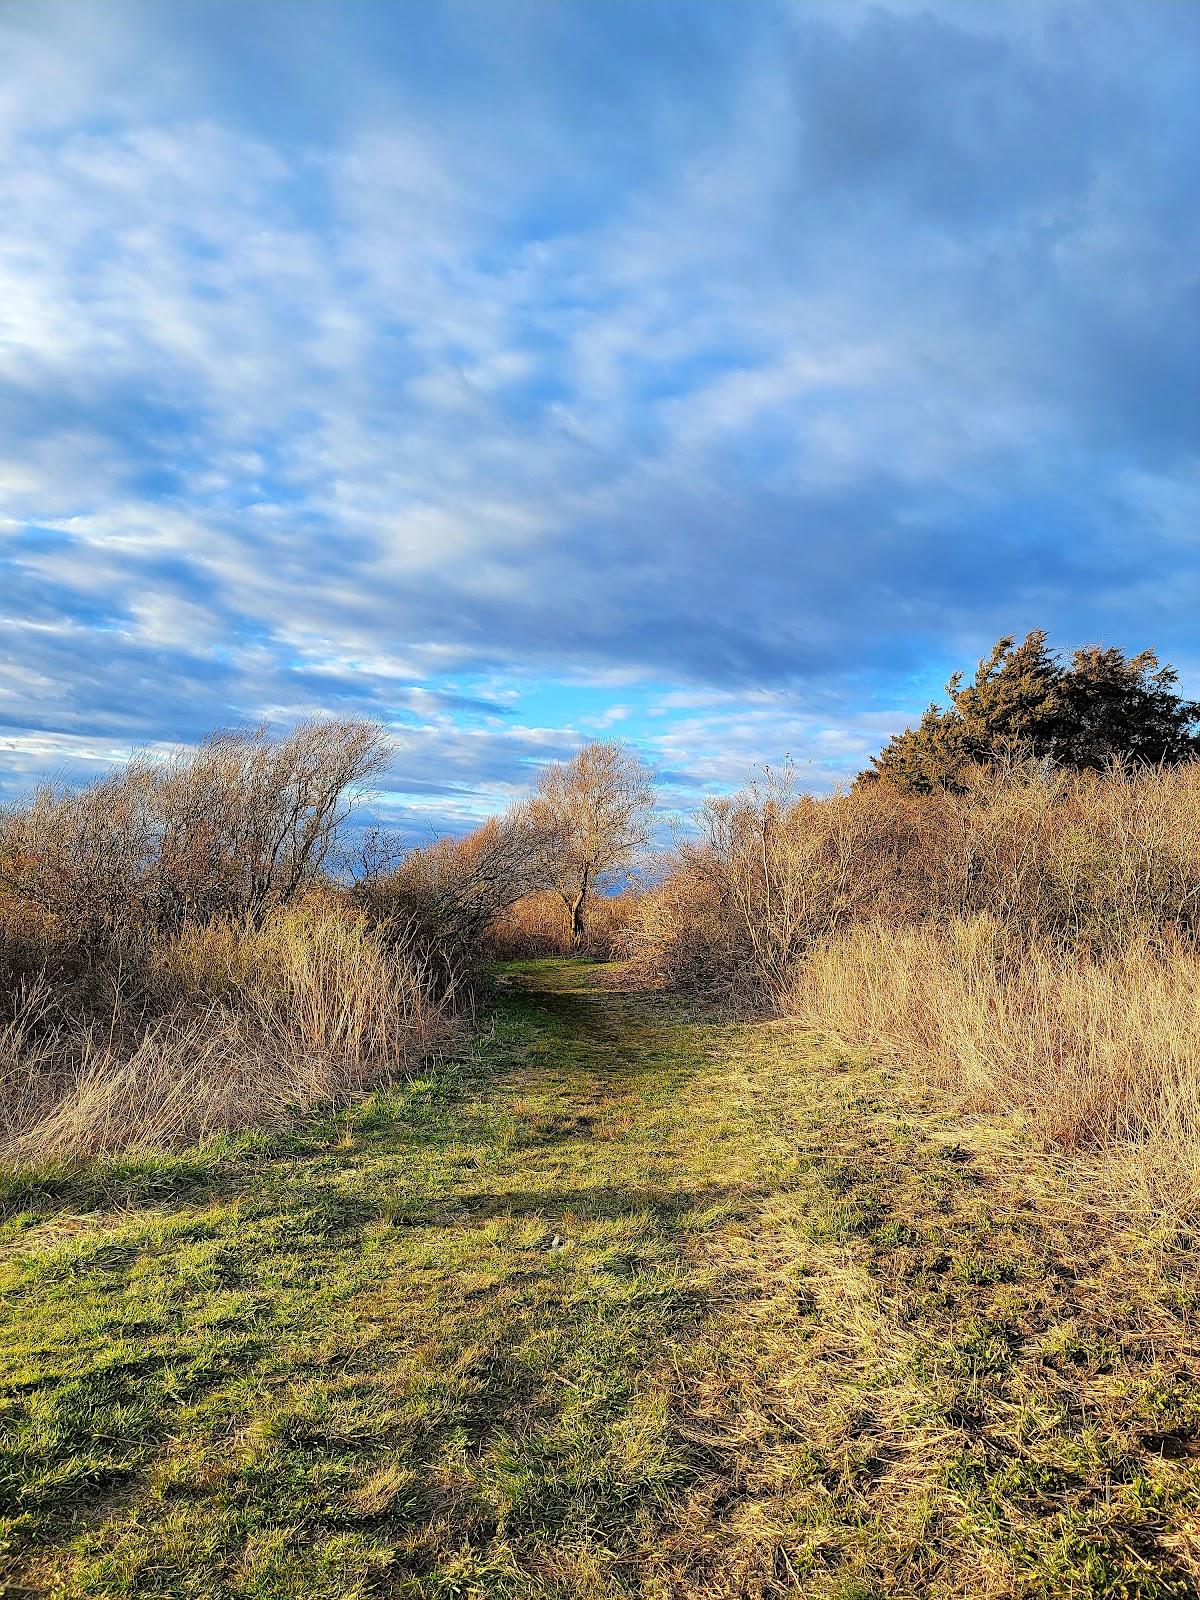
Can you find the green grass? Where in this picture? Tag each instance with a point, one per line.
(627, 1302)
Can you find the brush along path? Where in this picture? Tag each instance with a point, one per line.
(631, 1304)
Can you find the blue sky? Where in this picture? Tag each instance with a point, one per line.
(715, 375)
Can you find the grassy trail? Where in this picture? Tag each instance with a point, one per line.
(630, 1303)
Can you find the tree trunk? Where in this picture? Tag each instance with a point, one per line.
(575, 907)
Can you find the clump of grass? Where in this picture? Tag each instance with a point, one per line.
(1094, 1051)
(251, 1027)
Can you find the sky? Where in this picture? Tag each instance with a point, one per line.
(713, 376)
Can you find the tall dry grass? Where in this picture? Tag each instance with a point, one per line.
(1030, 944)
(229, 1027)
(175, 961)
(1093, 1050)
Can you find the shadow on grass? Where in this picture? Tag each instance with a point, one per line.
(611, 1203)
(622, 1042)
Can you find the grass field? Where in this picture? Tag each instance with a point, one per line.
(625, 1302)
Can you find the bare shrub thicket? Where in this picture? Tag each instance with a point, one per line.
(174, 960)
(528, 882)
(1031, 938)
(442, 899)
(233, 829)
(1081, 860)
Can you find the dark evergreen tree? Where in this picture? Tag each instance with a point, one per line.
(1128, 708)
(927, 757)
(1022, 701)
(1015, 699)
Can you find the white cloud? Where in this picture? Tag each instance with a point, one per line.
(763, 386)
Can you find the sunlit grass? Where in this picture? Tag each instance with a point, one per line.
(628, 1303)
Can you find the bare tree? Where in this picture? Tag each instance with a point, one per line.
(371, 856)
(594, 811)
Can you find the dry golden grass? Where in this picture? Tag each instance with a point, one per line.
(1093, 1050)
(230, 1027)
(1029, 943)
(540, 925)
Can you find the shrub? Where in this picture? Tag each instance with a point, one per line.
(235, 828)
(442, 899)
(1030, 940)
(174, 960)
(1087, 860)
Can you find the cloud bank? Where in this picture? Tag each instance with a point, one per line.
(722, 376)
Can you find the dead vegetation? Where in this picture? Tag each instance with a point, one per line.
(190, 947)
(539, 925)
(175, 961)
(1028, 941)
(231, 1027)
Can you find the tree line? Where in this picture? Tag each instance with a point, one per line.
(246, 823)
